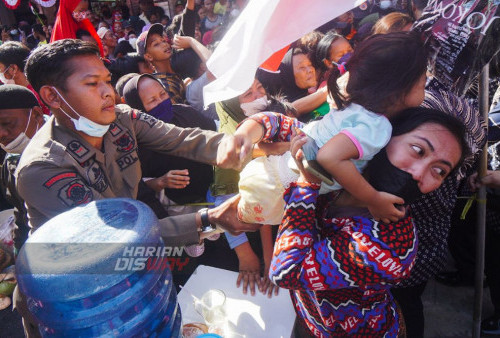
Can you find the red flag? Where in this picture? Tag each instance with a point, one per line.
(274, 60)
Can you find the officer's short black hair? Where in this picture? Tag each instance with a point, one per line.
(14, 53)
(48, 64)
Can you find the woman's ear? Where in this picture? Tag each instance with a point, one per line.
(50, 97)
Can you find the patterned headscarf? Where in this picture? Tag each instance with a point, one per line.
(468, 112)
(432, 212)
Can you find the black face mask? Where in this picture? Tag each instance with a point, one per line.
(384, 176)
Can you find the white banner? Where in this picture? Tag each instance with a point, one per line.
(263, 28)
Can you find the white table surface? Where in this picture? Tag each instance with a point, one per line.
(249, 316)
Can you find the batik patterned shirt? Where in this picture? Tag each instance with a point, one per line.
(339, 270)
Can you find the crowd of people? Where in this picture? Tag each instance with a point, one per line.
(348, 168)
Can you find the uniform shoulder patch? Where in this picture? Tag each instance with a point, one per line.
(75, 193)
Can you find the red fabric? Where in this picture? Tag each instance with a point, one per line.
(65, 26)
(273, 62)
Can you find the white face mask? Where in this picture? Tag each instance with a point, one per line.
(18, 145)
(384, 4)
(83, 124)
(254, 107)
(4, 79)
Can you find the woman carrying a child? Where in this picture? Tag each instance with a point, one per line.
(340, 268)
(387, 75)
(341, 264)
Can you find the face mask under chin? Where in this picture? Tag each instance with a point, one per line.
(384, 176)
(84, 124)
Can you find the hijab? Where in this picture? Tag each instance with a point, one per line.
(288, 86)
(180, 115)
(65, 26)
(163, 111)
(131, 92)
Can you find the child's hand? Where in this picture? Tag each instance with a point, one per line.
(383, 207)
(296, 142)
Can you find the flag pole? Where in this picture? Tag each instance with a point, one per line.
(481, 211)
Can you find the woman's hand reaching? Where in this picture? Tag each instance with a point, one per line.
(173, 179)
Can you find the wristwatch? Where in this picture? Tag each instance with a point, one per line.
(206, 226)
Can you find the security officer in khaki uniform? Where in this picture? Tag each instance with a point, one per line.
(88, 148)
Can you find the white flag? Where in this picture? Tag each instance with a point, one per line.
(263, 28)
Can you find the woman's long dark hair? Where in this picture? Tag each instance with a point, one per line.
(382, 70)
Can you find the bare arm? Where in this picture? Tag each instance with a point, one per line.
(266, 238)
(250, 129)
(310, 102)
(335, 156)
(266, 149)
(190, 42)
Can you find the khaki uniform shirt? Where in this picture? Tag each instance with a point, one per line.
(60, 170)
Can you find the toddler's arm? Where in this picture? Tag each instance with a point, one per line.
(335, 156)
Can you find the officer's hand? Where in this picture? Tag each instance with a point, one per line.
(234, 151)
(225, 216)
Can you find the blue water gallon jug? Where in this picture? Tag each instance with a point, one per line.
(100, 270)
